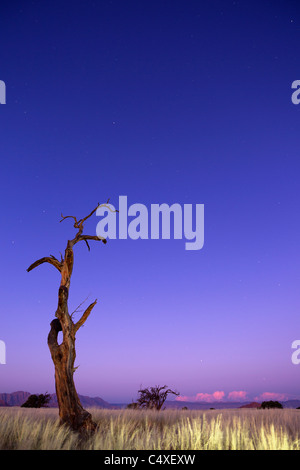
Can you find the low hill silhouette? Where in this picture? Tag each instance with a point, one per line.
(254, 404)
(18, 398)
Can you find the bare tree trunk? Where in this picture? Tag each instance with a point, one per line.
(63, 355)
(71, 411)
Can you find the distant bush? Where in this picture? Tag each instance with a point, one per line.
(184, 408)
(37, 401)
(132, 406)
(153, 398)
(271, 404)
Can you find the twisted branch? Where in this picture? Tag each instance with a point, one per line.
(80, 225)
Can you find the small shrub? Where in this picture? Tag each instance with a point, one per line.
(37, 401)
(271, 404)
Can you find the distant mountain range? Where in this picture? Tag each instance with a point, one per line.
(13, 399)
(221, 405)
(203, 405)
(18, 398)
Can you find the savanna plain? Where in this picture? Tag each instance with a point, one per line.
(234, 429)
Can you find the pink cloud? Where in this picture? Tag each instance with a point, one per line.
(266, 396)
(208, 397)
(237, 395)
(182, 398)
(216, 396)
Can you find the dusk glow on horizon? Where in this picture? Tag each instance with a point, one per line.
(185, 103)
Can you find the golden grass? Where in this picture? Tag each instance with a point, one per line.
(39, 429)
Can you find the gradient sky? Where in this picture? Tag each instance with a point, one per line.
(164, 102)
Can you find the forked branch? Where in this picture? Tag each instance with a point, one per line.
(89, 237)
(79, 224)
(65, 265)
(85, 315)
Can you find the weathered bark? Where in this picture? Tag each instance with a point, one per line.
(71, 411)
(63, 355)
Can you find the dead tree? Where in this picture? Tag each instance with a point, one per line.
(63, 355)
(154, 397)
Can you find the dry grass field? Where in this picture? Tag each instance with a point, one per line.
(149, 430)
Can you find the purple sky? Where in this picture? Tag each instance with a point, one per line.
(164, 102)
